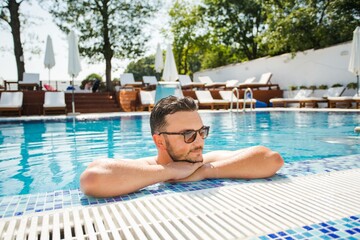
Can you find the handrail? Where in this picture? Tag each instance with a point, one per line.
(237, 99)
(245, 98)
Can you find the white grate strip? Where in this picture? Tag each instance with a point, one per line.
(238, 211)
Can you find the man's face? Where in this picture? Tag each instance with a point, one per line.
(175, 145)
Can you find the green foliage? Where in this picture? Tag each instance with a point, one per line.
(337, 85)
(218, 32)
(236, 24)
(189, 43)
(106, 28)
(142, 67)
(323, 87)
(293, 88)
(299, 25)
(303, 87)
(352, 85)
(313, 87)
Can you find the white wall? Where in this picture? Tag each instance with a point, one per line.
(312, 67)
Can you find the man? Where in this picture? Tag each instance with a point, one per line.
(178, 133)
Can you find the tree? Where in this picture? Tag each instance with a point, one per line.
(236, 24)
(106, 28)
(9, 13)
(189, 43)
(142, 67)
(302, 24)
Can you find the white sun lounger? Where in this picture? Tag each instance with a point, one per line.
(265, 81)
(209, 82)
(186, 83)
(30, 80)
(127, 80)
(147, 99)
(205, 99)
(54, 101)
(11, 102)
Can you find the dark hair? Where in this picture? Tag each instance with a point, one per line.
(167, 106)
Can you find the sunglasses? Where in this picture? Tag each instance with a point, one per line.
(190, 135)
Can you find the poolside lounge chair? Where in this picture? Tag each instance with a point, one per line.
(263, 82)
(301, 95)
(314, 101)
(150, 80)
(227, 95)
(30, 80)
(205, 99)
(344, 100)
(127, 81)
(210, 84)
(186, 83)
(11, 102)
(147, 99)
(54, 101)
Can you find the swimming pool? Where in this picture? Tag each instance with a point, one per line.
(45, 156)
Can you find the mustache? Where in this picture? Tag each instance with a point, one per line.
(197, 148)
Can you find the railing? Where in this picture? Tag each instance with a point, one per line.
(245, 98)
(237, 99)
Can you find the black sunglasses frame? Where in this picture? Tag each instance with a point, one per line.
(194, 133)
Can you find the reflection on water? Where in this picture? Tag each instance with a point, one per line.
(46, 156)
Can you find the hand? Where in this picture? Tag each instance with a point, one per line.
(180, 170)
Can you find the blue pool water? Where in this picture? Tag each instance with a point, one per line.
(46, 156)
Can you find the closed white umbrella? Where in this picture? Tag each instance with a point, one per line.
(170, 73)
(354, 64)
(159, 62)
(49, 60)
(74, 66)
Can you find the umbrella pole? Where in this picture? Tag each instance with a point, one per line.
(357, 93)
(73, 100)
(49, 76)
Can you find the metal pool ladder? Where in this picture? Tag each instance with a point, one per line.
(237, 99)
(245, 98)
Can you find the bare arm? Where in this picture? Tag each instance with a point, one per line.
(105, 178)
(254, 162)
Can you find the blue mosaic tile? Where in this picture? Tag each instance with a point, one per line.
(337, 229)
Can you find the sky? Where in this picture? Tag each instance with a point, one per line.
(44, 26)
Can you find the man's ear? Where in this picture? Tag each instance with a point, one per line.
(159, 141)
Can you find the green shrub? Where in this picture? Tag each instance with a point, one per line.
(337, 85)
(293, 88)
(303, 87)
(352, 85)
(323, 87)
(313, 87)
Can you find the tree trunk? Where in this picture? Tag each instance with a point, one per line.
(108, 52)
(108, 75)
(15, 29)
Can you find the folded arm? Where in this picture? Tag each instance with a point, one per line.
(105, 178)
(254, 162)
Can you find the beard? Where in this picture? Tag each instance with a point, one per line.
(183, 157)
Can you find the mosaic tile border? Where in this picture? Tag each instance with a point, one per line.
(345, 228)
(26, 204)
